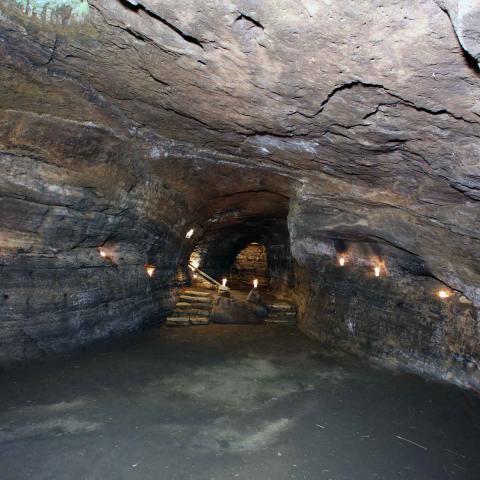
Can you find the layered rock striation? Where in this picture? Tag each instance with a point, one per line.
(355, 124)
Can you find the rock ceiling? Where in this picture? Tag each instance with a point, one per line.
(362, 118)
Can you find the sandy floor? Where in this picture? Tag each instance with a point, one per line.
(230, 402)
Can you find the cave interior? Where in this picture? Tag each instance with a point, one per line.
(200, 201)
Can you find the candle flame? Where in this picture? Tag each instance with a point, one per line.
(341, 260)
(189, 233)
(150, 270)
(377, 270)
(443, 293)
(255, 283)
(224, 282)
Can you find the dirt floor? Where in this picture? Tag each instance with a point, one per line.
(230, 402)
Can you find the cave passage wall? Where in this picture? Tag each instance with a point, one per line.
(395, 319)
(296, 124)
(250, 263)
(59, 204)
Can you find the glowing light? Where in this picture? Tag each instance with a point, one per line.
(255, 283)
(341, 260)
(189, 233)
(195, 275)
(150, 269)
(103, 253)
(377, 270)
(224, 282)
(195, 263)
(443, 293)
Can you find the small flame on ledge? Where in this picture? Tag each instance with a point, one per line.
(444, 293)
(255, 283)
(150, 269)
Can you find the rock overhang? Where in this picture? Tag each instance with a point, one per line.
(357, 120)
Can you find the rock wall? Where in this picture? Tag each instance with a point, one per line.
(66, 190)
(250, 263)
(129, 125)
(396, 319)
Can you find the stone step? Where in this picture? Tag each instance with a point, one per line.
(281, 307)
(186, 321)
(195, 293)
(190, 313)
(190, 299)
(283, 314)
(287, 318)
(199, 320)
(188, 305)
(279, 321)
(177, 321)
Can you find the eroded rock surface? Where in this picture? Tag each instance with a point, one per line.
(357, 120)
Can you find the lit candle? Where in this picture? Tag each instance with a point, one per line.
(224, 282)
(103, 253)
(150, 270)
(443, 293)
(377, 270)
(341, 260)
(189, 233)
(255, 283)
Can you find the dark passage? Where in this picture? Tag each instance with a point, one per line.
(221, 402)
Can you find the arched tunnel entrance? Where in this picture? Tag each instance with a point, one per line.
(249, 267)
(250, 264)
(257, 249)
(242, 254)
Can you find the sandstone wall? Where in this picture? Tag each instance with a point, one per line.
(250, 263)
(130, 124)
(67, 189)
(396, 319)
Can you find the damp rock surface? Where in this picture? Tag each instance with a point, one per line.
(300, 125)
(252, 402)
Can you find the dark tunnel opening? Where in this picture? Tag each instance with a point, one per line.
(217, 252)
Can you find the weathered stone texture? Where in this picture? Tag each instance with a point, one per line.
(396, 318)
(65, 191)
(357, 120)
(250, 263)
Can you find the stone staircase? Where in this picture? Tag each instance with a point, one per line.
(282, 313)
(193, 308)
